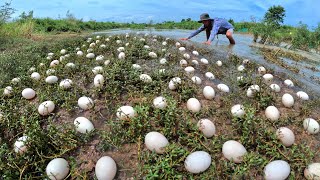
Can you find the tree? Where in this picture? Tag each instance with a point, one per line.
(274, 16)
(24, 16)
(5, 12)
(231, 21)
(183, 20)
(188, 19)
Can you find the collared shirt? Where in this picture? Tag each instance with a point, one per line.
(217, 23)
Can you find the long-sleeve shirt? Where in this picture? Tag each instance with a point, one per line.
(217, 23)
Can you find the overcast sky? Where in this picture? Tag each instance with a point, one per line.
(169, 10)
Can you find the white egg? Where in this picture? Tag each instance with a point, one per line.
(196, 80)
(163, 61)
(50, 54)
(106, 168)
(28, 93)
(51, 79)
(125, 112)
(145, 78)
(66, 83)
(174, 83)
(162, 71)
(189, 69)
(160, 102)
(57, 169)
(50, 71)
(275, 87)
(164, 43)
(252, 90)
(178, 44)
(193, 105)
(287, 100)
(268, 78)
(277, 170)
(100, 58)
(204, 61)
(70, 65)
(286, 136)
(142, 40)
(186, 56)
(8, 91)
(209, 75)
(288, 83)
(20, 145)
(233, 151)
(15, 80)
(102, 46)
(246, 61)
(311, 125)
(85, 103)
(312, 172)
(262, 70)
(98, 80)
(153, 55)
(54, 63)
(272, 113)
(136, 66)
(98, 69)
(32, 69)
(197, 162)
(46, 108)
(302, 95)
(163, 50)
(146, 47)
(207, 127)
(237, 110)
(83, 125)
(208, 92)
(107, 62)
(90, 55)
(219, 63)
(183, 62)
(118, 41)
(195, 62)
(182, 49)
(36, 76)
(155, 141)
(223, 88)
(41, 64)
(79, 53)
(92, 45)
(63, 51)
(241, 68)
(240, 78)
(195, 53)
(90, 52)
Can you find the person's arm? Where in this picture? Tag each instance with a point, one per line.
(196, 32)
(214, 31)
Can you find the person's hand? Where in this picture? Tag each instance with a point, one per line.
(184, 39)
(207, 43)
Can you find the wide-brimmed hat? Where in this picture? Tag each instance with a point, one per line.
(204, 16)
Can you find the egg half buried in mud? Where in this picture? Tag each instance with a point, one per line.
(145, 78)
(125, 112)
(57, 169)
(312, 172)
(106, 168)
(197, 162)
(155, 141)
(85, 103)
(193, 105)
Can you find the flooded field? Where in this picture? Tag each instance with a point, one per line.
(308, 77)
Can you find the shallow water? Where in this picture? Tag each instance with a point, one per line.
(309, 80)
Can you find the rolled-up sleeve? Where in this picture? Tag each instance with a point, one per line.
(196, 32)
